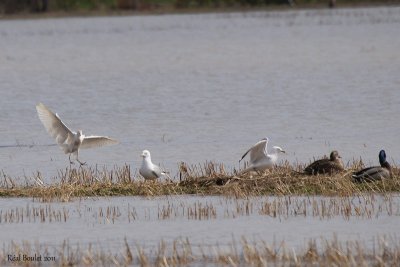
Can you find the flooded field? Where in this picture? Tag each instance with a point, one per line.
(111, 224)
(203, 87)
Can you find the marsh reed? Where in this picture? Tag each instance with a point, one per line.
(181, 252)
(202, 179)
(365, 207)
(34, 214)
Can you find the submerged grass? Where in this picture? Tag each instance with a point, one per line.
(207, 179)
(366, 207)
(181, 252)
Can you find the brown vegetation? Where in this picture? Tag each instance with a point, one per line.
(207, 179)
(244, 253)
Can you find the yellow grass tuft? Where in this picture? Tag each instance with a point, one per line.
(207, 179)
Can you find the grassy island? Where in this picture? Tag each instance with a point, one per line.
(207, 179)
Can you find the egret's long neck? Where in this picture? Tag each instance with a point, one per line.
(78, 138)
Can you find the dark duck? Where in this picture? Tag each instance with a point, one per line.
(375, 173)
(326, 166)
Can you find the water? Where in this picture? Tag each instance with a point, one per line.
(194, 88)
(202, 87)
(147, 221)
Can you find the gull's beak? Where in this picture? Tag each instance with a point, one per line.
(142, 155)
(283, 151)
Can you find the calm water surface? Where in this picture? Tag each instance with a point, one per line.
(202, 87)
(194, 88)
(147, 221)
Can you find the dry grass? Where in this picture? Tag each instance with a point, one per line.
(367, 207)
(207, 179)
(385, 252)
(34, 214)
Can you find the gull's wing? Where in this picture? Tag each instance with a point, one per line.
(157, 171)
(151, 171)
(257, 151)
(53, 124)
(97, 141)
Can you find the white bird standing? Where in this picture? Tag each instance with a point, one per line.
(148, 170)
(69, 141)
(260, 160)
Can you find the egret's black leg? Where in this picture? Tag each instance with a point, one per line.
(77, 159)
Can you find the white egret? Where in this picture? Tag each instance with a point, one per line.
(69, 141)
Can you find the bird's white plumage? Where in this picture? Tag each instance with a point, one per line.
(260, 159)
(148, 170)
(258, 151)
(68, 140)
(97, 141)
(53, 124)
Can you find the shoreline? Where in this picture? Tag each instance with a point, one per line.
(170, 10)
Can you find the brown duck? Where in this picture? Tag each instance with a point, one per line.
(326, 166)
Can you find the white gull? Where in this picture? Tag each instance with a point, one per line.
(148, 170)
(260, 159)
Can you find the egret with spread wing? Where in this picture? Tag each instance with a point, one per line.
(260, 160)
(69, 141)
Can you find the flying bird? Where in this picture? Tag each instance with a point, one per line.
(69, 141)
(260, 159)
(326, 166)
(375, 173)
(148, 170)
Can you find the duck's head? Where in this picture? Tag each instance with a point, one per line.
(382, 156)
(334, 155)
(278, 149)
(145, 154)
(79, 133)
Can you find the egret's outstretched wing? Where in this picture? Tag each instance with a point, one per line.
(53, 124)
(97, 141)
(257, 151)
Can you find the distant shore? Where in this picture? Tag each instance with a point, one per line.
(172, 9)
